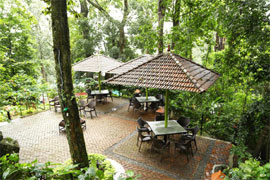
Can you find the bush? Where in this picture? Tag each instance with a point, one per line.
(249, 170)
(99, 168)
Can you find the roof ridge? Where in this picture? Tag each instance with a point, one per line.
(128, 62)
(196, 63)
(191, 78)
(110, 58)
(115, 76)
(83, 60)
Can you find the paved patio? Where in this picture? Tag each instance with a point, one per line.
(113, 133)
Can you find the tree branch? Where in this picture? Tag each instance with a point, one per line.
(104, 12)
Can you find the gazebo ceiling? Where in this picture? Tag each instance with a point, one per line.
(168, 71)
(130, 64)
(96, 63)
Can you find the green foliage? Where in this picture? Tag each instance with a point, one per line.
(249, 170)
(99, 168)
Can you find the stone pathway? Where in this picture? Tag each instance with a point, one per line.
(113, 133)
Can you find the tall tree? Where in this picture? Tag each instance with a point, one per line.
(161, 15)
(120, 24)
(176, 21)
(84, 25)
(60, 32)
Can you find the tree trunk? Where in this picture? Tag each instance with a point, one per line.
(121, 25)
(263, 144)
(161, 14)
(176, 20)
(220, 43)
(122, 40)
(85, 28)
(43, 72)
(60, 32)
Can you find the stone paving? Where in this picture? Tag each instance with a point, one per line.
(113, 133)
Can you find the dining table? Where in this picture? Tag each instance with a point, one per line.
(102, 92)
(159, 130)
(143, 99)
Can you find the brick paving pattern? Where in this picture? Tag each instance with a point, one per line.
(113, 133)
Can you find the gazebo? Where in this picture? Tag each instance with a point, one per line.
(96, 63)
(130, 64)
(168, 71)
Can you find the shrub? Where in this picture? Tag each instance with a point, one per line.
(249, 170)
(99, 168)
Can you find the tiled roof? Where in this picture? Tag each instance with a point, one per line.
(130, 64)
(168, 71)
(96, 63)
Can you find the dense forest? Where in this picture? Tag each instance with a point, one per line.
(232, 37)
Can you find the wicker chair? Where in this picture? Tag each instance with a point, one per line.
(143, 138)
(110, 95)
(62, 125)
(184, 121)
(143, 125)
(191, 135)
(90, 107)
(89, 96)
(184, 145)
(131, 100)
(159, 146)
(137, 106)
(101, 98)
(54, 102)
(81, 105)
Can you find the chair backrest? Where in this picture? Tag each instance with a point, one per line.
(137, 105)
(184, 121)
(56, 98)
(88, 91)
(161, 101)
(81, 102)
(92, 104)
(141, 122)
(136, 95)
(140, 132)
(160, 118)
(110, 93)
(195, 130)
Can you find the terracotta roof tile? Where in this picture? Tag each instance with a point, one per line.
(130, 64)
(167, 71)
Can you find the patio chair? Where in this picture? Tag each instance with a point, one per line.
(131, 102)
(161, 100)
(184, 145)
(143, 125)
(81, 105)
(110, 94)
(160, 118)
(90, 107)
(154, 106)
(143, 138)
(184, 121)
(62, 125)
(137, 105)
(159, 146)
(89, 96)
(191, 135)
(101, 98)
(54, 102)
